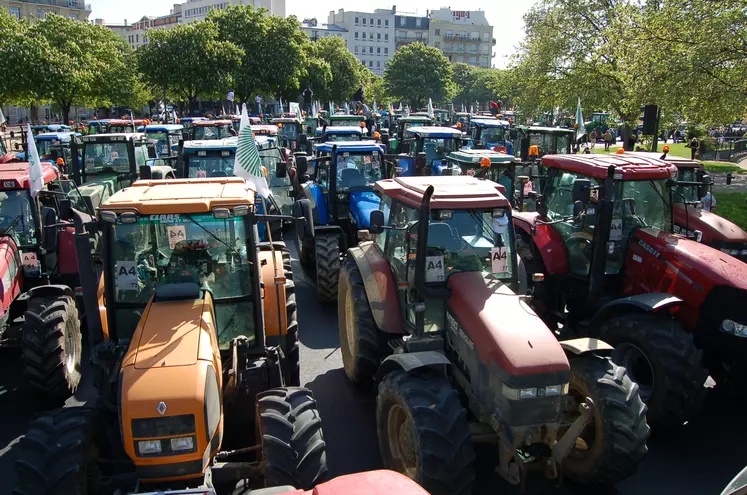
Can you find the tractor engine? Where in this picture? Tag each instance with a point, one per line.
(170, 386)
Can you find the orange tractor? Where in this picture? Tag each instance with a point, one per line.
(194, 333)
(429, 313)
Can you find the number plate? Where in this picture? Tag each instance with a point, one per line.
(176, 234)
(616, 229)
(499, 260)
(434, 269)
(126, 275)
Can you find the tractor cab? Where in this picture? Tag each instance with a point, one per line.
(100, 126)
(188, 125)
(292, 135)
(118, 126)
(491, 134)
(39, 129)
(329, 134)
(268, 130)
(165, 138)
(347, 120)
(426, 150)
(52, 146)
(397, 135)
(204, 130)
(599, 122)
(442, 117)
(463, 121)
(548, 140)
(492, 165)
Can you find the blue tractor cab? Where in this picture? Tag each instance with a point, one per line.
(165, 137)
(397, 136)
(329, 134)
(340, 198)
(43, 128)
(491, 134)
(427, 151)
(51, 146)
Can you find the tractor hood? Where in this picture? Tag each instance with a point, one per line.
(362, 203)
(714, 227)
(11, 272)
(503, 328)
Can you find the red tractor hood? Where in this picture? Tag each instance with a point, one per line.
(371, 483)
(714, 227)
(503, 327)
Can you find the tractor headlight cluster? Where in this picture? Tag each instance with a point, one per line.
(182, 443)
(734, 328)
(535, 393)
(149, 447)
(165, 446)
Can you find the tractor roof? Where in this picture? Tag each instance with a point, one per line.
(546, 130)
(211, 145)
(56, 136)
(150, 197)
(351, 146)
(99, 122)
(286, 120)
(51, 127)
(341, 129)
(433, 132)
(213, 123)
(192, 119)
(451, 192)
(679, 161)
(118, 136)
(474, 157)
(490, 123)
(265, 129)
(15, 175)
(627, 166)
(162, 127)
(346, 116)
(415, 118)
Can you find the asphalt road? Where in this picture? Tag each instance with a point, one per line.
(699, 459)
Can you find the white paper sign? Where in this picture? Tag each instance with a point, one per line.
(499, 260)
(126, 275)
(616, 229)
(30, 262)
(176, 234)
(434, 269)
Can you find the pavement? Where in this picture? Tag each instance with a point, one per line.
(698, 459)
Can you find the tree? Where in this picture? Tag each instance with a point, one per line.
(479, 85)
(274, 50)
(417, 72)
(22, 54)
(189, 61)
(318, 77)
(347, 73)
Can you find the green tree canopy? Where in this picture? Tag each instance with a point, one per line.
(477, 84)
(346, 71)
(417, 72)
(188, 61)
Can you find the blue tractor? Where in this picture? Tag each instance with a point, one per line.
(340, 198)
(492, 134)
(51, 146)
(328, 134)
(427, 151)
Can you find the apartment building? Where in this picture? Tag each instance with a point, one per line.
(136, 35)
(197, 10)
(30, 9)
(315, 30)
(368, 35)
(462, 35)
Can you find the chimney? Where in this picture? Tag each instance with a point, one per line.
(394, 9)
(126, 23)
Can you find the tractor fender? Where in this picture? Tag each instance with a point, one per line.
(327, 230)
(269, 246)
(577, 347)
(652, 302)
(545, 240)
(414, 361)
(304, 208)
(273, 300)
(160, 172)
(50, 291)
(380, 288)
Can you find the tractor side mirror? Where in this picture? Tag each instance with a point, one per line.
(49, 232)
(281, 169)
(302, 165)
(729, 178)
(65, 209)
(146, 173)
(420, 161)
(705, 185)
(581, 192)
(12, 134)
(151, 152)
(376, 224)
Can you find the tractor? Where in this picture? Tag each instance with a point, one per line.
(328, 134)
(397, 134)
(99, 126)
(188, 125)
(491, 134)
(424, 150)
(599, 122)
(548, 140)
(339, 199)
(430, 315)
(166, 138)
(194, 335)
(119, 126)
(204, 130)
(42, 128)
(346, 120)
(292, 135)
(51, 146)
(39, 279)
(674, 309)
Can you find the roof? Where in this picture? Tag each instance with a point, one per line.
(491, 123)
(117, 136)
(51, 127)
(416, 118)
(192, 119)
(627, 166)
(451, 192)
(99, 122)
(18, 172)
(286, 120)
(679, 161)
(351, 146)
(55, 136)
(181, 195)
(211, 145)
(547, 130)
(475, 156)
(435, 132)
(341, 129)
(265, 129)
(346, 116)
(163, 127)
(127, 121)
(213, 123)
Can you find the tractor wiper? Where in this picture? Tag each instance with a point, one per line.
(230, 248)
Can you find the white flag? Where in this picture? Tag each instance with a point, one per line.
(2, 117)
(132, 121)
(347, 108)
(431, 114)
(247, 163)
(35, 168)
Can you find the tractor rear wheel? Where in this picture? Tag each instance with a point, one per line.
(362, 344)
(327, 254)
(661, 357)
(290, 342)
(293, 446)
(51, 345)
(59, 454)
(423, 433)
(614, 441)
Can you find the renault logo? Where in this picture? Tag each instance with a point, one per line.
(161, 408)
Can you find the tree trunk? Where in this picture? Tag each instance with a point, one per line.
(627, 133)
(65, 107)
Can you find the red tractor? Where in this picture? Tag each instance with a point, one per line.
(39, 271)
(429, 312)
(674, 309)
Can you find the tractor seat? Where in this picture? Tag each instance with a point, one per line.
(350, 177)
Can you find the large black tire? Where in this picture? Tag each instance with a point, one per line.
(51, 345)
(327, 254)
(290, 342)
(662, 358)
(58, 455)
(614, 442)
(436, 451)
(362, 344)
(292, 442)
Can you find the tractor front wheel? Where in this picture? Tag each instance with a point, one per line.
(661, 357)
(293, 446)
(59, 454)
(423, 433)
(327, 254)
(614, 440)
(51, 345)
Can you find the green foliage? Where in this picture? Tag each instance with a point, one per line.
(318, 77)
(417, 72)
(188, 61)
(480, 85)
(347, 73)
(732, 206)
(19, 52)
(274, 50)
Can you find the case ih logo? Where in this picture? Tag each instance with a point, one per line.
(458, 15)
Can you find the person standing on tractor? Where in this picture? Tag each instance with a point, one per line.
(495, 108)
(358, 96)
(308, 96)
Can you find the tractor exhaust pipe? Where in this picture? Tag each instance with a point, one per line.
(422, 252)
(599, 254)
(88, 279)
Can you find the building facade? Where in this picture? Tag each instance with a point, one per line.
(30, 9)
(368, 35)
(197, 10)
(314, 30)
(410, 29)
(462, 36)
(136, 35)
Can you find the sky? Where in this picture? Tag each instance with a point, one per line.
(504, 15)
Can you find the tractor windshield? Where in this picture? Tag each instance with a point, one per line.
(106, 157)
(333, 137)
(689, 192)
(288, 132)
(270, 159)
(44, 147)
(493, 134)
(470, 241)
(119, 129)
(357, 169)
(161, 141)
(550, 144)
(175, 249)
(436, 150)
(210, 165)
(16, 217)
(211, 132)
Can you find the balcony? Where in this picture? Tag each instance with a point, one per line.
(405, 40)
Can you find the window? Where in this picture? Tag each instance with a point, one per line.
(378, 22)
(417, 22)
(486, 37)
(71, 4)
(474, 36)
(378, 64)
(386, 22)
(356, 21)
(378, 51)
(378, 36)
(356, 35)
(370, 50)
(371, 24)
(137, 38)
(473, 60)
(15, 12)
(386, 51)
(364, 21)
(437, 44)
(438, 32)
(386, 37)
(370, 36)
(356, 49)
(364, 35)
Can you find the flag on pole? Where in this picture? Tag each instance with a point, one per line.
(471, 109)
(374, 107)
(347, 108)
(132, 121)
(35, 168)
(579, 120)
(2, 117)
(431, 113)
(223, 110)
(282, 113)
(391, 110)
(247, 163)
(406, 111)
(238, 112)
(464, 108)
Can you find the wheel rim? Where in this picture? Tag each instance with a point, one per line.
(638, 368)
(71, 351)
(401, 438)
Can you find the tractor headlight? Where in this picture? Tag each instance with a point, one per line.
(535, 393)
(527, 393)
(149, 447)
(744, 252)
(182, 443)
(553, 390)
(734, 328)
